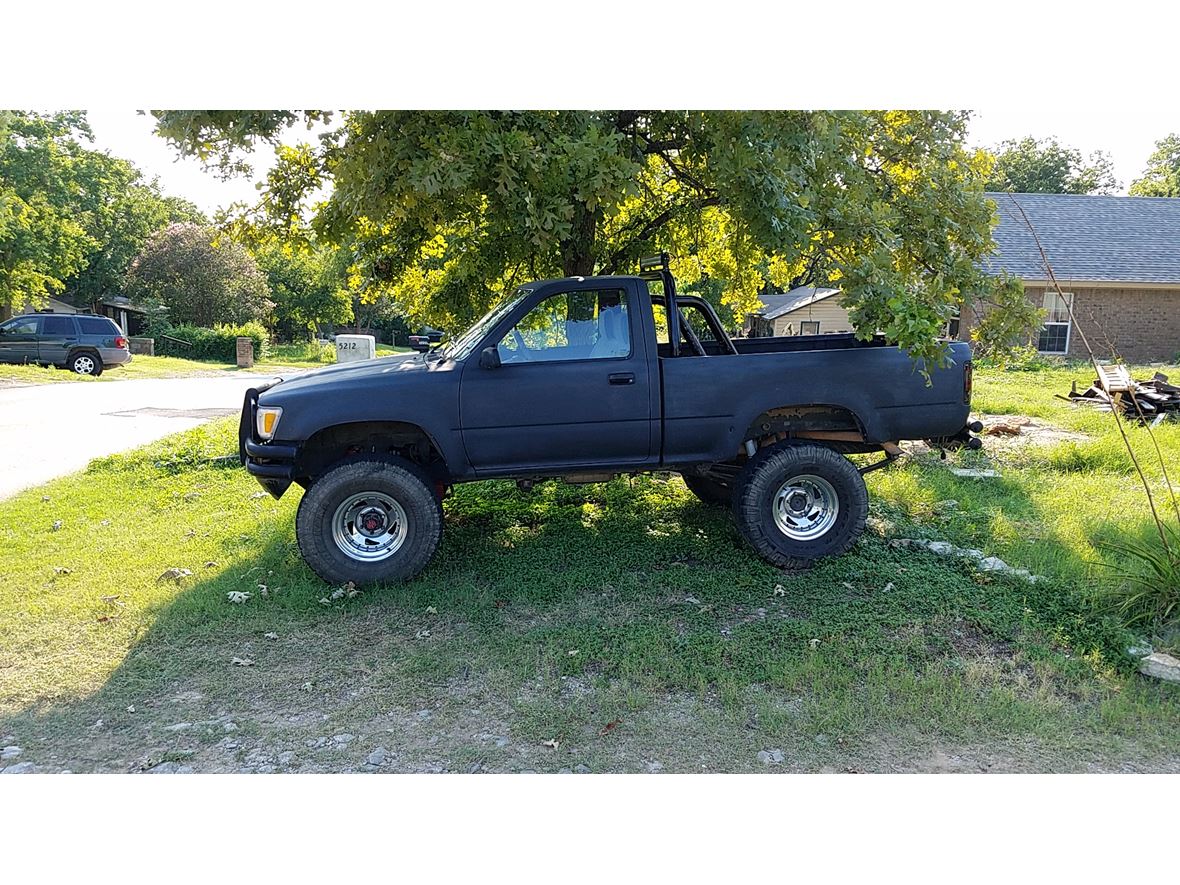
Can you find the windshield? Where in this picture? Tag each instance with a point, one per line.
(461, 347)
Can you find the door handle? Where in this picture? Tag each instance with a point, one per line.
(622, 378)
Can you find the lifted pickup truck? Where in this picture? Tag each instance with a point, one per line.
(584, 379)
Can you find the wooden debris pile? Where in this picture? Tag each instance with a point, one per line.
(1150, 401)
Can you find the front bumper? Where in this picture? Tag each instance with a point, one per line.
(271, 463)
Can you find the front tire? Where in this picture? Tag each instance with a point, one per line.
(795, 504)
(369, 521)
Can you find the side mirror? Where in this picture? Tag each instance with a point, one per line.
(489, 358)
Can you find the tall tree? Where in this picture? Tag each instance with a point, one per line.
(1033, 166)
(1161, 178)
(199, 278)
(449, 210)
(308, 287)
(43, 232)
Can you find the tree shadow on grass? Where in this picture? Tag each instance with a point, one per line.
(622, 583)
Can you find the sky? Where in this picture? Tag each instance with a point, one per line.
(1128, 136)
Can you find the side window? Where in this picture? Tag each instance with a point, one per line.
(26, 326)
(584, 325)
(98, 326)
(57, 326)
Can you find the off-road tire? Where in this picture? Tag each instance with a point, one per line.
(397, 478)
(758, 486)
(78, 363)
(710, 491)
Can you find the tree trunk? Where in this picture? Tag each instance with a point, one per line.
(577, 253)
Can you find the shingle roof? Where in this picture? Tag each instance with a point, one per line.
(777, 305)
(1103, 239)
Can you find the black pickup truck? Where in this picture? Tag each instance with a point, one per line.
(584, 379)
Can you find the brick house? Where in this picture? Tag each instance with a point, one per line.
(1116, 258)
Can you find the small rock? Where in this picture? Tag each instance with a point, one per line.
(286, 757)
(653, 767)
(581, 769)
(424, 714)
(770, 757)
(170, 768)
(476, 768)
(20, 768)
(230, 726)
(993, 564)
(57, 525)
(1161, 666)
(343, 739)
(10, 752)
(179, 726)
(565, 771)
(377, 757)
(270, 636)
(502, 742)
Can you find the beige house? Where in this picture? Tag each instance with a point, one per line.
(808, 310)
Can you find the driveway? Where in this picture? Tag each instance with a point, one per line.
(50, 430)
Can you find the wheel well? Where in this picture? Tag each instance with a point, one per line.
(331, 444)
(834, 426)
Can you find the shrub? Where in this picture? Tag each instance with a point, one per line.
(219, 343)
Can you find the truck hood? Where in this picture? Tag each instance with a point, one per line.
(380, 370)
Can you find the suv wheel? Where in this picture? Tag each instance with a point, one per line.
(798, 503)
(369, 521)
(86, 363)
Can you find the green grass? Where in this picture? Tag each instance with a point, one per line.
(282, 356)
(1054, 506)
(552, 614)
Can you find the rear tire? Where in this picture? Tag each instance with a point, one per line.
(369, 521)
(86, 363)
(795, 504)
(710, 491)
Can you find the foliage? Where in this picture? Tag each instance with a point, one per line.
(447, 211)
(201, 278)
(43, 233)
(1149, 595)
(218, 343)
(1161, 178)
(307, 287)
(71, 218)
(1017, 358)
(1045, 166)
(1004, 318)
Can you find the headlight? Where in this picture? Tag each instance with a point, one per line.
(266, 421)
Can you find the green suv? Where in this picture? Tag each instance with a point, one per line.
(83, 343)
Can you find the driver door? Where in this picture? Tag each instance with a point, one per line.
(572, 389)
(18, 340)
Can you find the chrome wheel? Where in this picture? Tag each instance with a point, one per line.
(369, 527)
(84, 365)
(805, 507)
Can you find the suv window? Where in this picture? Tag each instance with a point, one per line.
(20, 326)
(584, 325)
(98, 326)
(57, 326)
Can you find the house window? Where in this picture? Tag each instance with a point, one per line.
(951, 329)
(1054, 336)
(809, 327)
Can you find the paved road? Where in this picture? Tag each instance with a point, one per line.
(50, 430)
